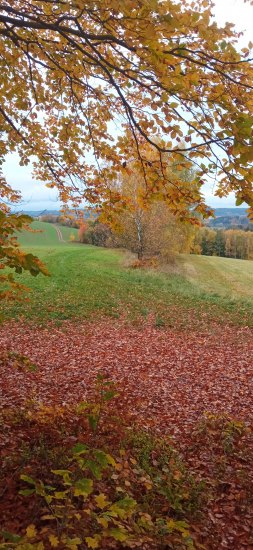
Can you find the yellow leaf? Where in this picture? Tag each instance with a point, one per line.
(110, 460)
(103, 521)
(54, 541)
(92, 542)
(31, 531)
(171, 524)
(73, 543)
(102, 501)
(60, 495)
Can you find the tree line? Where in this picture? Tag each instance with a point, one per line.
(163, 237)
(228, 243)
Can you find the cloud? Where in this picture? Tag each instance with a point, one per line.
(237, 12)
(35, 195)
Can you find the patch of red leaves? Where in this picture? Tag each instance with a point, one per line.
(166, 380)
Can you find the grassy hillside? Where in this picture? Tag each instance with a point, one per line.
(219, 276)
(46, 235)
(87, 281)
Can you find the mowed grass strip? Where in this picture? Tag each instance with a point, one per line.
(223, 276)
(87, 282)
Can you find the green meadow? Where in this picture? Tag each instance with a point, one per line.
(45, 234)
(88, 282)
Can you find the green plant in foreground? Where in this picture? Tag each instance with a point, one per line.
(139, 496)
(221, 430)
(83, 506)
(105, 391)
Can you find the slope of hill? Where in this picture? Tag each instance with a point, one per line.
(88, 281)
(46, 234)
(219, 276)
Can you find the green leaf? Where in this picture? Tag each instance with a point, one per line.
(79, 449)
(111, 460)
(60, 495)
(26, 492)
(108, 395)
(83, 487)
(100, 377)
(118, 534)
(9, 536)
(93, 422)
(126, 503)
(95, 468)
(101, 457)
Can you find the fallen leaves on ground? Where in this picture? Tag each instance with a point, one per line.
(167, 381)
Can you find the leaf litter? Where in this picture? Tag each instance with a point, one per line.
(180, 384)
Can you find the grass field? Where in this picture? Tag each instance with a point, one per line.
(221, 276)
(46, 235)
(87, 281)
(180, 427)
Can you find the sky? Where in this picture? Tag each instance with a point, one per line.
(35, 196)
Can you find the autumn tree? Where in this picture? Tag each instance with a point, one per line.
(82, 231)
(10, 254)
(76, 73)
(153, 232)
(238, 244)
(220, 243)
(100, 234)
(207, 239)
(148, 228)
(230, 243)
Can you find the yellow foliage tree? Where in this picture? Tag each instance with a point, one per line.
(11, 256)
(72, 71)
(148, 229)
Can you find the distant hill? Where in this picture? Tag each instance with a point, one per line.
(39, 213)
(229, 218)
(238, 212)
(225, 217)
(218, 212)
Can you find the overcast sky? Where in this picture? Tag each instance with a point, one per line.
(37, 197)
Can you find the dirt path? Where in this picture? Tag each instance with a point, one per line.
(59, 233)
